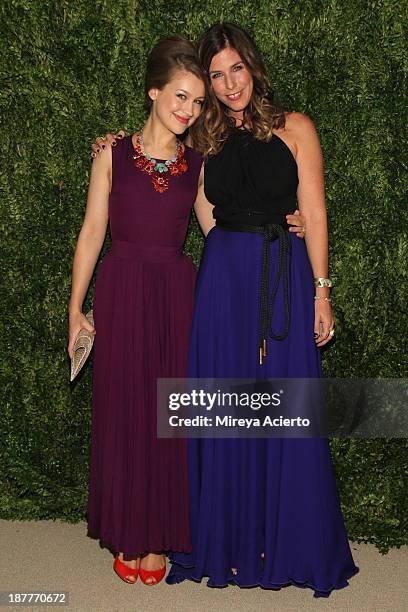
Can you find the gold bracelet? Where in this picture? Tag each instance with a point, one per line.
(323, 282)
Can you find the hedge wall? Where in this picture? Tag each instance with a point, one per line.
(70, 71)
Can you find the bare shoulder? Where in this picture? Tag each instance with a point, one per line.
(298, 133)
(300, 125)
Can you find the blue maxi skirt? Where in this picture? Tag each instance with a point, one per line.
(267, 507)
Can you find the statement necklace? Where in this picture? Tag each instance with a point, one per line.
(176, 166)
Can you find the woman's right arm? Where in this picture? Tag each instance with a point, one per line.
(90, 241)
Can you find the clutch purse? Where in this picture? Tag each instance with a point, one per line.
(82, 347)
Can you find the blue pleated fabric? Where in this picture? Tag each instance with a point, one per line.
(267, 507)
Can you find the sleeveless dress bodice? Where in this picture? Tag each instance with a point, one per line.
(250, 181)
(138, 213)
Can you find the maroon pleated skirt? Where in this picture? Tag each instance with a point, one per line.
(138, 490)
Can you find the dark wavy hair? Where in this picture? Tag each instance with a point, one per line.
(168, 55)
(261, 116)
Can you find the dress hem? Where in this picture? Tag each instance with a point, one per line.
(127, 556)
(176, 578)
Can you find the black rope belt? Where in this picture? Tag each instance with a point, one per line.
(270, 231)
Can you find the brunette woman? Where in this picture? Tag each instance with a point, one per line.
(263, 512)
(143, 302)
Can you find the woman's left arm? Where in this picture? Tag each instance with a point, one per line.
(311, 201)
(203, 208)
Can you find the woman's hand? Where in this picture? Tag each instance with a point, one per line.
(101, 142)
(299, 221)
(77, 321)
(324, 322)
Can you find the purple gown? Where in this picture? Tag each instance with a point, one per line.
(143, 304)
(267, 507)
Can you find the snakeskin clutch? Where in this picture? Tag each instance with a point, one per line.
(82, 347)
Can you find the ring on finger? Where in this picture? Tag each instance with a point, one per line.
(331, 333)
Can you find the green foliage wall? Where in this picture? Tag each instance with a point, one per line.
(72, 70)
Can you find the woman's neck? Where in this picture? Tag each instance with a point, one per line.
(158, 141)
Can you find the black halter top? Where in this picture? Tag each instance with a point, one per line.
(250, 181)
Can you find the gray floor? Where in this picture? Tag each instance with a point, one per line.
(55, 556)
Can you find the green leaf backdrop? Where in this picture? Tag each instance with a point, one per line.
(72, 70)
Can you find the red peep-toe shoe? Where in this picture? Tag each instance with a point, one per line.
(157, 575)
(124, 570)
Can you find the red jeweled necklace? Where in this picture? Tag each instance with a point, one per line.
(158, 170)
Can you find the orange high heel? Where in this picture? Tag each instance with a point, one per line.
(157, 575)
(124, 570)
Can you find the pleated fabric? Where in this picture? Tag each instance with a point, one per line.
(143, 305)
(267, 507)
